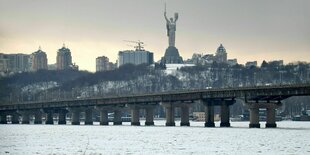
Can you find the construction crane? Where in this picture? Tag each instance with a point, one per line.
(139, 46)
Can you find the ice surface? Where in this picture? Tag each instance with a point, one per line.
(289, 138)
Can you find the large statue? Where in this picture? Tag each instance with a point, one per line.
(172, 55)
(171, 27)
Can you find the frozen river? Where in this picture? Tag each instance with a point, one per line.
(289, 138)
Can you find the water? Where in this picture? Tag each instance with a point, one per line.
(289, 138)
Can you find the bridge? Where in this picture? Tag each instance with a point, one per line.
(255, 98)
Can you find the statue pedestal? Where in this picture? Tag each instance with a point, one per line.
(172, 56)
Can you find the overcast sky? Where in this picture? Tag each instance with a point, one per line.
(249, 30)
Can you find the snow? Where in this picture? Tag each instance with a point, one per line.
(172, 68)
(39, 86)
(289, 138)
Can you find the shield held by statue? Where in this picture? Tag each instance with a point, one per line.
(176, 16)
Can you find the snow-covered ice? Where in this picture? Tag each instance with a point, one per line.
(289, 138)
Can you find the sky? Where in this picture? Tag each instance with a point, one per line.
(249, 30)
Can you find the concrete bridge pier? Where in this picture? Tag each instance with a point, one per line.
(49, 117)
(254, 117)
(149, 116)
(38, 117)
(3, 119)
(135, 117)
(75, 118)
(225, 114)
(169, 113)
(62, 116)
(209, 115)
(89, 116)
(271, 117)
(117, 117)
(104, 120)
(25, 117)
(185, 115)
(15, 118)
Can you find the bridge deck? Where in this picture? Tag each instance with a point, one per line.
(266, 93)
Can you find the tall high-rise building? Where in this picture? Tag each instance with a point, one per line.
(135, 57)
(4, 62)
(102, 63)
(14, 62)
(64, 59)
(221, 55)
(39, 60)
(19, 62)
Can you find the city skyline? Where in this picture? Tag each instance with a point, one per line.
(249, 31)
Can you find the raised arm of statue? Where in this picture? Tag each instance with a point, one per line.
(165, 14)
